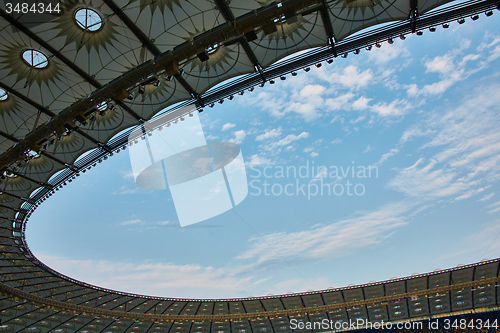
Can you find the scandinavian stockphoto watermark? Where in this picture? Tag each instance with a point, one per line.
(310, 180)
(205, 179)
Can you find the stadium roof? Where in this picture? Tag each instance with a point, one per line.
(72, 80)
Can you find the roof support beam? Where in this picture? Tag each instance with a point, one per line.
(229, 17)
(155, 51)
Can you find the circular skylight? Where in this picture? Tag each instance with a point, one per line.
(102, 106)
(88, 19)
(3, 95)
(35, 58)
(212, 48)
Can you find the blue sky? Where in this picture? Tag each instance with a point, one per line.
(424, 112)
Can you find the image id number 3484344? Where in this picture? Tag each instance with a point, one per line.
(34, 8)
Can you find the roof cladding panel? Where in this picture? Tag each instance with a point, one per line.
(350, 16)
(106, 126)
(398, 309)
(306, 33)
(223, 63)
(103, 54)
(156, 97)
(70, 147)
(171, 22)
(41, 168)
(395, 288)
(54, 86)
(241, 7)
(18, 118)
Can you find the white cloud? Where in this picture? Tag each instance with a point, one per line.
(131, 222)
(269, 134)
(454, 66)
(387, 53)
(227, 126)
(334, 240)
(361, 103)
(396, 108)
(257, 160)
(487, 197)
(465, 148)
(314, 154)
(160, 279)
(239, 136)
(352, 77)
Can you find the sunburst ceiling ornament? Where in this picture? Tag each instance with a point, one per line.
(38, 163)
(286, 30)
(7, 104)
(31, 64)
(15, 183)
(70, 142)
(353, 6)
(107, 118)
(84, 24)
(160, 89)
(160, 4)
(217, 57)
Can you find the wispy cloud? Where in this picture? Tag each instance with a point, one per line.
(131, 222)
(334, 240)
(465, 146)
(159, 279)
(227, 126)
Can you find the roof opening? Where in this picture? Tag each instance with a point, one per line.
(88, 19)
(3, 95)
(35, 58)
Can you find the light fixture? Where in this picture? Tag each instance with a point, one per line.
(212, 105)
(203, 56)
(402, 37)
(221, 101)
(231, 97)
(390, 41)
(489, 13)
(241, 93)
(368, 48)
(446, 25)
(182, 118)
(271, 82)
(461, 21)
(329, 61)
(356, 51)
(307, 69)
(251, 89)
(294, 74)
(191, 114)
(283, 78)
(475, 17)
(432, 29)
(318, 65)
(344, 55)
(419, 33)
(378, 45)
